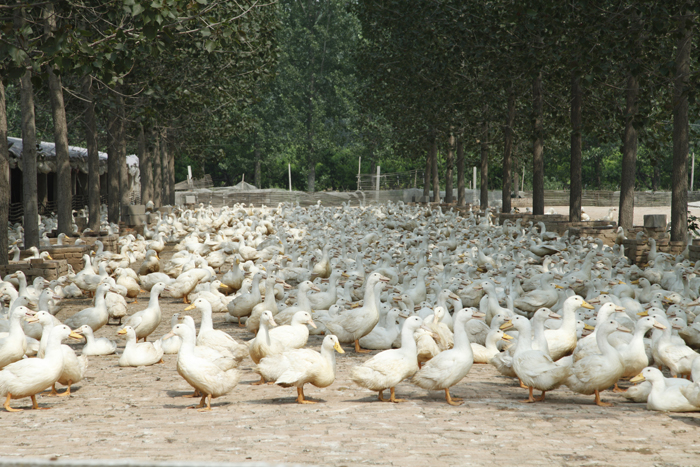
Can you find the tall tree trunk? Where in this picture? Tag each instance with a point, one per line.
(29, 179)
(124, 199)
(165, 163)
(436, 175)
(516, 185)
(64, 199)
(508, 153)
(629, 156)
(171, 172)
(145, 168)
(311, 177)
(679, 192)
(484, 195)
(157, 171)
(461, 201)
(256, 155)
(4, 179)
(113, 170)
(537, 148)
(93, 157)
(449, 166)
(575, 189)
(428, 171)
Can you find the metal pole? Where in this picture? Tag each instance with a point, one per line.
(289, 168)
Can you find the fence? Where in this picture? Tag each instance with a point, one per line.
(390, 181)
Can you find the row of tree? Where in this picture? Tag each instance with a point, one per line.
(500, 74)
(154, 76)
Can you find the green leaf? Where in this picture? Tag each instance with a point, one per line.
(137, 9)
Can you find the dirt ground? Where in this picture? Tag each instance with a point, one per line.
(598, 212)
(138, 413)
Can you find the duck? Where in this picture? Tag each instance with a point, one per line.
(95, 346)
(243, 305)
(95, 316)
(291, 336)
(545, 296)
(139, 354)
(14, 346)
(171, 345)
(562, 341)
(216, 299)
(302, 366)
(303, 304)
(449, 367)
(589, 345)
(234, 277)
(215, 338)
(634, 356)
(124, 279)
(484, 353)
(269, 303)
(74, 367)
(358, 322)
(534, 367)
(665, 398)
(151, 263)
(597, 372)
(186, 282)
(324, 300)
(30, 376)
(382, 337)
(389, 367)
(202, 374)
(147, 282)
(261, 346)
(146, 321)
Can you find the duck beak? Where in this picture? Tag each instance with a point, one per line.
(619, 308)
(634, 282)
(507, 337)
(478, 315)
(397, 299)
(49, 257)
(554, 316)
(344, 275)
(31, 319)
(588, 327)
(312, 324)
(557, 286)
(384, 279)
(314, 288)
(677, 327)
(223, 286)
(75, 335)
(623, 329)
(121, 332)
(355, 305)
(454, 296)
(505, 326)
(643, 314)
(638, 379)
(338, 348)
(168, 335)
(402, 315)
(658, 325)
(191, 307)
(587, 305)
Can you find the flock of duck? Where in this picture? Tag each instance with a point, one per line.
(434, 292)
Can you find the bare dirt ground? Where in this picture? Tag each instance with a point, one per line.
(138, 413)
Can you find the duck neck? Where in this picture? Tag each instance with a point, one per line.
(408, 343)
(461, 339)
(524, 338)
(153, 300)
(45, 334)
(207, 324)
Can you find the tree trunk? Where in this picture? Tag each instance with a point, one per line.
(655, 174)
(145, 169)
(449, 164)
(124, 199)
(29, 188)
(461, 201)
(64, 199)
(4, 180)
(93, 157)
(629, 156)
(575, 189)
(311, 177)
(113, 170)
(516, 186)
(679, 192)
(428, 172)
(436, 175)
(484, 195)
(537, 148)
(256, 155)
(171, 172)
(165, 163)
(508, 153)
(157, 171)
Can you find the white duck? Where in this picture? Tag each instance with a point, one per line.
(449, 367)
(388, 368)
(139, 354)
(96, 316)
(214, 338)
(28, 377)
(95, 346)
(203, 375)
(146, 321)
(301, 366)
(665, 398)
(14, 346)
